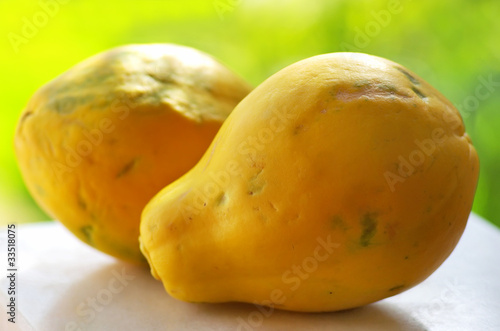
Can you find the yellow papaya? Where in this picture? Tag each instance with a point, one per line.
(95, 144)
(341, 180)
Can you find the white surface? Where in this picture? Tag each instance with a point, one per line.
(65, 285)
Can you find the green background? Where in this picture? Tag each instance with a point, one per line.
(453, 44)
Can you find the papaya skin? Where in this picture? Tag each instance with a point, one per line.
(303, 201)
(95, 144)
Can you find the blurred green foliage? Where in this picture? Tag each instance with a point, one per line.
(452, 44)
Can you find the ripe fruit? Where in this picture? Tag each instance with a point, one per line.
(96, 143)
(302, 201)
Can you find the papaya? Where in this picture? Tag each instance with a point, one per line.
(341, 180)
(95, 144)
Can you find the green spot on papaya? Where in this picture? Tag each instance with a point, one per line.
(88, 231)
(131, 254)
(369, 228)
(387, 88)
(81, 203)
(68, 104)
(362, 83)
(419, 93)
(65, 105)
(338, 223)
(408, 75)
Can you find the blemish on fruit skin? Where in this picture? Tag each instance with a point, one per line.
(256, 184)
(65, 105)
(127, 167)
(408, 75)
(369, 228)
(164, 78)
(272, 205)
(88, 231)
(338, 223)
(362, 83)
(388, 87)
(419, 93)
(81, 203)
(396, 288)
(298, 128)
(221, 199)
(24, 117)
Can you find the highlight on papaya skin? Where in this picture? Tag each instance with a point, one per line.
(95, 144)
(252, 209)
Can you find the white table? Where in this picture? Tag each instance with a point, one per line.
(63, 284)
